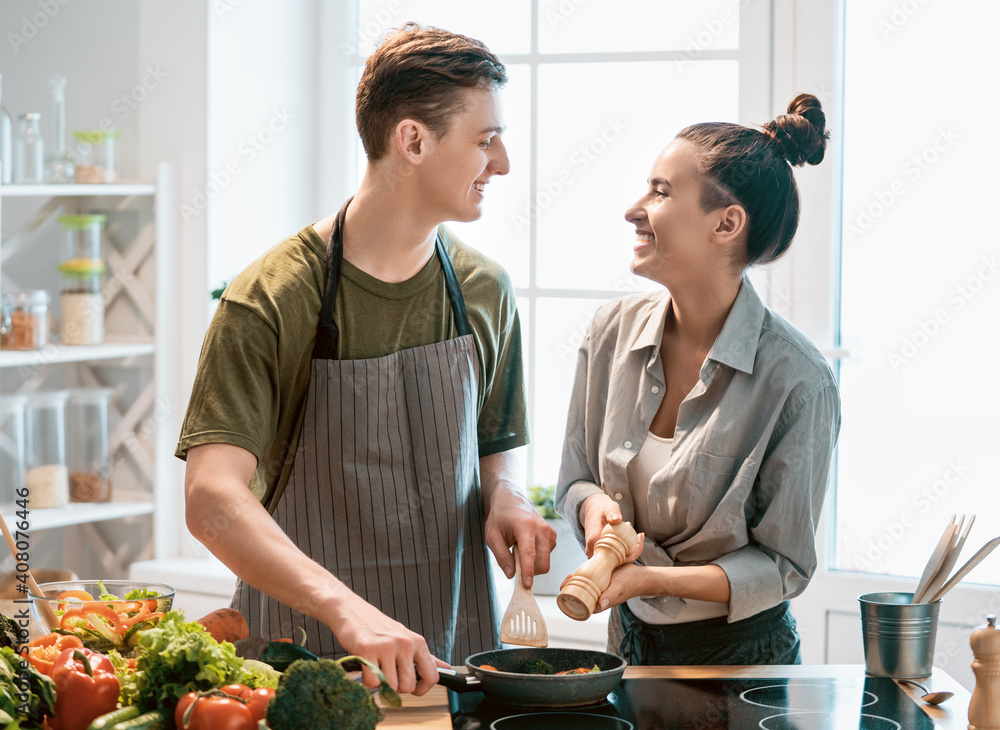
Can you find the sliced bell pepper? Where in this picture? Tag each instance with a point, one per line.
(90, 612)
(43, 651)
(86, 688)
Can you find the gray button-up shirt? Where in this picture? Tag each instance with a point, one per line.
(753, 445)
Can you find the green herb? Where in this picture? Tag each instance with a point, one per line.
(41, 693)
(544, 500)
(538, 666)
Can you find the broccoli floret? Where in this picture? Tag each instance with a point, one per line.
(539, 666)
(319, 695)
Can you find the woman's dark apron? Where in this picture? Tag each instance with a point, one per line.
(384, 490)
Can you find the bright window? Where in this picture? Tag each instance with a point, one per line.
(920, 284)
(596, 89)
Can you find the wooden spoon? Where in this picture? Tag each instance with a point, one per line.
(934, 562)
(523, 622)
(44, 606)
(975, 560)
(949, 559)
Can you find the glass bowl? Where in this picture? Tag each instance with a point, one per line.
(74, 606)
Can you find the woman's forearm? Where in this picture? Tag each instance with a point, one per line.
(697, 582)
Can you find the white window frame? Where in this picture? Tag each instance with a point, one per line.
(755, 104)
(808, 56)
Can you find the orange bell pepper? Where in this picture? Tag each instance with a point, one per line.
(81, 617)
(42, 651)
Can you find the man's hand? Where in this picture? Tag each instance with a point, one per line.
(511, 519)
(221, 511)
(401, 654)
(596, 511)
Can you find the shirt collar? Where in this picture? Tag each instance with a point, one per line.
(736, 345)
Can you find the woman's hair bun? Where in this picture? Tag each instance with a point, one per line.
(801, 133)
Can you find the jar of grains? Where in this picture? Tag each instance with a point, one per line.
(11, 447)
(24, 324)
(47, 477)
(96, 150)
(87, 453)
(81, 302)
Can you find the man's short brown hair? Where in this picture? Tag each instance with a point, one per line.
(419, 73)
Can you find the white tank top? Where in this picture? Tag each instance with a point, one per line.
(652, 457)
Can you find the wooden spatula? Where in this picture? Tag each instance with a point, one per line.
(934, 562)
(523, 623)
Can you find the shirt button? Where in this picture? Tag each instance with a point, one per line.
(618, 495)
(628, 444)
(655, 389)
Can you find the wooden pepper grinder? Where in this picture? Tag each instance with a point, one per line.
(984, 708)
(578, 598)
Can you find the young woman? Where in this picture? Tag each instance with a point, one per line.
(701, 416)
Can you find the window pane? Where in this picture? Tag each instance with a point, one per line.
(920, 291)
(578, 26)
(502, 233)
(505, 29)
(596, 148)
(562, 324)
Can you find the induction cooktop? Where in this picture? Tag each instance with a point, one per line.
(866, 703)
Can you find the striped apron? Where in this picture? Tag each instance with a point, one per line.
(384, 490)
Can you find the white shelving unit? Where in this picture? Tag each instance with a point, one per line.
(149, 449)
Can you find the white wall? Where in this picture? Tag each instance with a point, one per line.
(262, 83)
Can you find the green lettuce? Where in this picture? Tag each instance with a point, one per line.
(41, 699)
(177, 657)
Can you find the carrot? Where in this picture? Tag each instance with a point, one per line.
(226, 624)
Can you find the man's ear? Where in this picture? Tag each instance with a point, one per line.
(411, 139)
(731, 222)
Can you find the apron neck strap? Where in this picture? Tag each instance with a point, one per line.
(327, 332)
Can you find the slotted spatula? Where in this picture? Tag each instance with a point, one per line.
(523, 623)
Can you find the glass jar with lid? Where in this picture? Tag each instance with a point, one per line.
(46, 475)
(11, 447)
(96, 151)
(87, 451)
(24, 320)
(81, 302)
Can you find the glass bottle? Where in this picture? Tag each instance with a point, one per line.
(87, 451)
(58, 165)
(81, 302)
(46, 478)
(6, 143)
(29, 150)
(11, 447)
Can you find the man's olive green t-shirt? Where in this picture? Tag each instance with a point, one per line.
(254, 368)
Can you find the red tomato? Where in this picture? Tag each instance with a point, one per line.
(213, 712)
(236, 690)
(257, 702)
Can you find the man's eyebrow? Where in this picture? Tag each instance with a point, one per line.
(659, 181)
(497, 130)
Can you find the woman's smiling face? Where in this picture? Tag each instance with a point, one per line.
(673, 232)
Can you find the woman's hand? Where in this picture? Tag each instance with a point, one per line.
(596, 511)
(627, 580)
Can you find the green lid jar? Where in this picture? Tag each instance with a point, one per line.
(81, 301)
(96, 151)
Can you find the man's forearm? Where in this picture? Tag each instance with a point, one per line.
(225, 516)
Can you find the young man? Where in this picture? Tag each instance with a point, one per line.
(361, 378)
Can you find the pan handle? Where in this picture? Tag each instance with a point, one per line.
(458, 681)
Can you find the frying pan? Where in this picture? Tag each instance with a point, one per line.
(511, 686)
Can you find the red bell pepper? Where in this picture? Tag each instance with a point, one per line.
(86, 688)
(43, 651)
